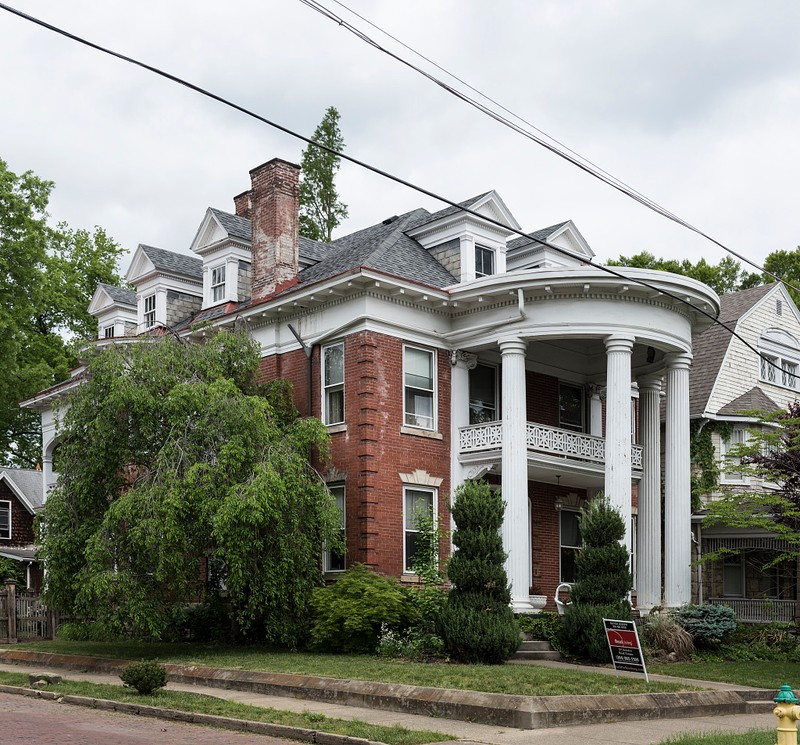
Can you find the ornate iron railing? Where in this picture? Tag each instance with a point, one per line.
(542, 439)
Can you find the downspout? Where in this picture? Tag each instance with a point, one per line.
(309, 350)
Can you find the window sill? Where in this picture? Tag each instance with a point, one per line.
(417, 432)
(336, 428)
(409, 578)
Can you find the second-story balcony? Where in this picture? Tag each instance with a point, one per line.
(546, 446)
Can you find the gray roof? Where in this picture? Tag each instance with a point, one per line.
(537, 235)
(386, 248)
(28, 482)
(754, 400)
(709, 348)
(119, 294)
(176, 263)
(235, 225)
(450, 210)
(312, 251)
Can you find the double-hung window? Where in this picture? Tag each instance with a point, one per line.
(334, 561)
(150, 311)
(571, 542)
(570, 407)
(731, 461)
(482, 394)
(333, 383)
(5, 520)
(108, 332)
(218, 284)
(733, 575)
(417, 504)
(419, 392)
(484, 261)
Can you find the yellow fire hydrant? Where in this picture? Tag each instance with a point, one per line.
(788, 712)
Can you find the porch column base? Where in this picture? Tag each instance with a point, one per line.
(522, 606)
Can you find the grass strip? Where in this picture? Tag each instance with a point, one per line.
(753, 737)
(199, 703)
(751, 674)
(523, 680)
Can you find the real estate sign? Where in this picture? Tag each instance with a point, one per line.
(623, 641)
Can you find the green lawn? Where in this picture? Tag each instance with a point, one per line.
(200, 703)
(770, 675)
(754, 737)
(523, 680)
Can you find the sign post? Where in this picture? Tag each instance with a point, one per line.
(623, 641)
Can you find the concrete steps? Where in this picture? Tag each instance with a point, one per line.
(532, 649)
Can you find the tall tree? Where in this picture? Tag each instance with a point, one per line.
(320, 208)
(170, 453)
(47, 277)
(786, 264)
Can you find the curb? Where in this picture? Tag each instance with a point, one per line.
(505, 710)
(209, 720)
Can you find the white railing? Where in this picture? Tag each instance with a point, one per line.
(758, 610)
(542, 439)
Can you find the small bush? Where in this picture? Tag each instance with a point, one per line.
(664, 636)
(545, 626)
(145, 677)
(488, 635)
(349, 613)
(583, 633)
(708, 624)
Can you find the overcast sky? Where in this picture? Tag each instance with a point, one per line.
(696, 104)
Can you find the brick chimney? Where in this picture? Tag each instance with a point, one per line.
(273, 208)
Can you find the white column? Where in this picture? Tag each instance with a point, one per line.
(460, 365)
(516, 528)
(648, 534)
(618, 428)
(677, 485)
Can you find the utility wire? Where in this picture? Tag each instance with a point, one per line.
(376, 170)
(558, 148)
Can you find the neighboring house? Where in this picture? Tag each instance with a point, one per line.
(20, 500)
(440, 347)
(729, 383)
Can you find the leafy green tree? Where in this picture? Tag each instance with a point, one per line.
(320, 208)
(602, 582)
(785, 264)
(727, 276)
(47, 277)
(171, 454)
(476, 622)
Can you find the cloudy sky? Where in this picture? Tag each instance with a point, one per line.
(694, 104)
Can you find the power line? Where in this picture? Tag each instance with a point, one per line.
(558, 148)
(374, 169)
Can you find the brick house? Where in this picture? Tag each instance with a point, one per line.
(729, 383)
(440, 347)
(21, 496)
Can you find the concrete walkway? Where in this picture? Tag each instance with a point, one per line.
(634, 732)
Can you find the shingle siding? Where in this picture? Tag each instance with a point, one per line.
(181, 306)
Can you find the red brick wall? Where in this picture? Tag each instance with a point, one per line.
(541, 399)
(372, 451)
(21, 519)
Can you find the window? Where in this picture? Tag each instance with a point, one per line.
(333, 383)
(416, 502)
(150, 311)
(779, 358)
(418, 366)
(570, 407)
(729, 451)
(733, 576)
(484, 261)
(482, 394)
(571, 542)
(334, 561)
(218, 284)
(789, 374)
(108, 332)
(769, 368)
(5, 520)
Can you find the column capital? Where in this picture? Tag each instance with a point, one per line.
(619, 343)
(678, 360)
(650, 382)
(513, 346)
(460, 358)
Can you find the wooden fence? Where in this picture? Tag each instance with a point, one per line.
(23, 617)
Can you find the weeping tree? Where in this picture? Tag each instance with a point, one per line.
(476, 623)
(602, 582)
(171, 459)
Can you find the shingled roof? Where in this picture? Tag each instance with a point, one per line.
(27, 483)
(235, 225)
(119, 294)
(536, 235)
(175, 263)
(709, 348)
(754, 400)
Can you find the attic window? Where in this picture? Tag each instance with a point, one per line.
(484, 261)
(150, 311)
(108, 332)
(218, 284)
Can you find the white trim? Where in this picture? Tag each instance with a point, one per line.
(434, 497)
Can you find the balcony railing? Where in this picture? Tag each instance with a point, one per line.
(542, 439)
(758, 610)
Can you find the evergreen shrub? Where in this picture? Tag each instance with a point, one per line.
(349, 613)
(146, 677)
(708, 624)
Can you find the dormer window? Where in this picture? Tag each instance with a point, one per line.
(484, 261)
(108, 332)
(150, 311)
(218, 284)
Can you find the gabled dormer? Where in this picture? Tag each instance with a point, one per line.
(532, 253)
(464, 244)
(115, 311)
(223, 244)
(168, 285)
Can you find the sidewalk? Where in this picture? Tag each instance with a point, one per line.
(634, 732)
